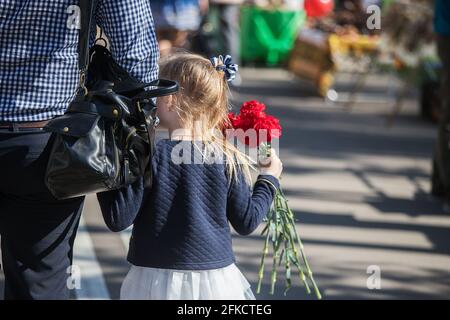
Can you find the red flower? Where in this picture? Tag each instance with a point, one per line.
(234, 119)
(253, 117)
(253, 109)
(271, 125)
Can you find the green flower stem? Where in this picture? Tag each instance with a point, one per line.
(281, 230)
(266, 148)
(261, 266)
(287, 266)
(273, 276)
(296, 259)
(275, 246)
(302, 253)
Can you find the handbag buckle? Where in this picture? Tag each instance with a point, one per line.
(82, 84)
(150, 115)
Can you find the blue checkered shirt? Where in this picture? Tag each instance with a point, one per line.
(38, 52)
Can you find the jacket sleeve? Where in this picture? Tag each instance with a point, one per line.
(130, 30)
(246, 208)
(120, 207)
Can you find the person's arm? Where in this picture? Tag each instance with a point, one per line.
(129, 27)
(204, 6)
(247, 209)
(120, 207)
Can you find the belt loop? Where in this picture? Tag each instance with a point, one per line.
(15, 127)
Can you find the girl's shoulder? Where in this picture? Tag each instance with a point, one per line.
(165, 147)
(182, 162)
(184, 152)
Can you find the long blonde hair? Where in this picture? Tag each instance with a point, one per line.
(202, 100)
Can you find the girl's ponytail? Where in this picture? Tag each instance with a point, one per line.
(202, 104)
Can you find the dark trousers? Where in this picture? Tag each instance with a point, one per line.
(37, 231)
(441, 161)
(229, 29)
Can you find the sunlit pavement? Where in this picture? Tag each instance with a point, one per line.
(359, 190)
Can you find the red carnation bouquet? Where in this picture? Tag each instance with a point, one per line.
(257, 129)
(252, 117)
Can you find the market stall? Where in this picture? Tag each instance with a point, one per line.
(317, 39)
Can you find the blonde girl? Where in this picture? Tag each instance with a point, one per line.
(181, 246)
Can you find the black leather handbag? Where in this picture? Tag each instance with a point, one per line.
(105, 140)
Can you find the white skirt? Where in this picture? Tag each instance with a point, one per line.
(165, 284)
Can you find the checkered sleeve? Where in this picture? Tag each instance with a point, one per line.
(130, 30)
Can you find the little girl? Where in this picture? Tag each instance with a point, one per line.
(181, 243)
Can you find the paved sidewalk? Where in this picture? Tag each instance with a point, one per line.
(359, 190)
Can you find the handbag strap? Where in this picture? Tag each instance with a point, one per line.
(159, 88)
(87, 8)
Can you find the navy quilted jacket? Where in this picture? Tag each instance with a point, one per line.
(182, 221)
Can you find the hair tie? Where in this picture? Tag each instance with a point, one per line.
(226, 65)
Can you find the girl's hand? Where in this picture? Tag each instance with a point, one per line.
(271, 165)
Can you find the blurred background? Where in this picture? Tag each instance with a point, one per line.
(361, 90)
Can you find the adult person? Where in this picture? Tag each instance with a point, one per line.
(229, 29)
(38, 79)
(175, 20)
(441, 159)
(229, 12)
